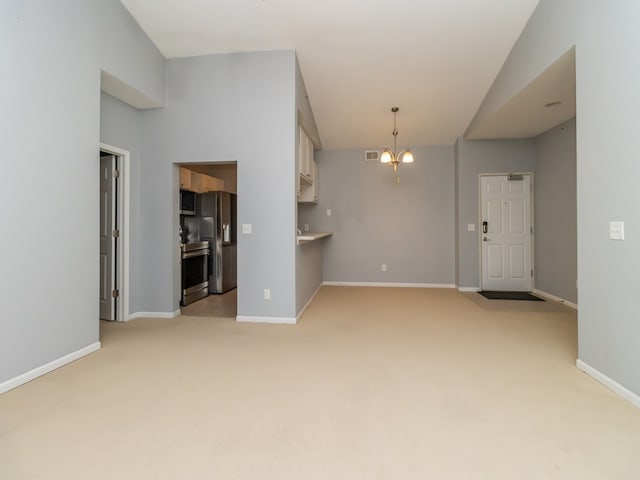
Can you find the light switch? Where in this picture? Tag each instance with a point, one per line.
(246, 229)
(616, 230)
(471, 227)
(328, 212)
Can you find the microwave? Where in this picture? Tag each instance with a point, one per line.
(187, 202)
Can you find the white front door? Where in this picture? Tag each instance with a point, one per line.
(505, 232)
(107, 237)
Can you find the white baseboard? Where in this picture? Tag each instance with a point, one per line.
(47, 367)
(378, 284)
(625, 393)
(306, 305)
(279, 320)
(468, 289)
(555, 299)
(154, 315)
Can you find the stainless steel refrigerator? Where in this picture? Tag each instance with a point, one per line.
(217, 214)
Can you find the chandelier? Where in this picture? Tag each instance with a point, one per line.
(388, 156)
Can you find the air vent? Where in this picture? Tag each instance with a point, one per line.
(372, 155)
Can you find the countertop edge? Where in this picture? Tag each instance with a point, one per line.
(310, 237)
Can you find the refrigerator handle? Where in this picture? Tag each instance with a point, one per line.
(226, 237)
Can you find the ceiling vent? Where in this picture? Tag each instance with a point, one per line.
(371, 155)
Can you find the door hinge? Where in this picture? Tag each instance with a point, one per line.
(116, 233)
(531, 230)
(531, 273)
(115, 293)
(116, 174)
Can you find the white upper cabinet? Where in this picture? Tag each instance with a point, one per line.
(305, 157)
(309, 192)
(307, 181)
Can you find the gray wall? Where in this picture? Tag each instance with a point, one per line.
(120, 127)
(408, 226)
(308, 271)
(219, 108)
(51, 54)
(608, 175)
(555, 212)
(606, 36)
(456, 206)
(127, 54)
(475, 158)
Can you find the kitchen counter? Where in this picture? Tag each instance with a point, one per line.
(307, 237)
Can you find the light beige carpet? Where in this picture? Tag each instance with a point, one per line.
(371, 384)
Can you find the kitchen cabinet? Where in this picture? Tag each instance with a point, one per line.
(185, 178)
(305, 158)
(309, 192)
(212, 184)
(190, 180)
(198, 182)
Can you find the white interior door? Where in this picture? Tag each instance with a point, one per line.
(107, 237)
(506, 232)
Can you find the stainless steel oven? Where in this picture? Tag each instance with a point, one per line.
(195, 274)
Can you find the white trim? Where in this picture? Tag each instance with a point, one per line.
(468, 289)
(379, 284)
(555, 299)
(280, 320)
(47, 367)
(124, 210)
(625, 393)
(154, 315)
(306, 305)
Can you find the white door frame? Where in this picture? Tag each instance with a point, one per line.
(123, 206)
(531, 212)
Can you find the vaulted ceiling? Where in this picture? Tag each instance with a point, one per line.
(435, 59)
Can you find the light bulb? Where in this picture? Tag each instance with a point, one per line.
(386, 156)
(407, 157)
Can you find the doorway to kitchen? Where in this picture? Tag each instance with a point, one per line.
(506, 235)
(208, 215)
(114, 233)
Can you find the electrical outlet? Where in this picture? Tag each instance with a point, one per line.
(616, 230)
(267, 294)
(306, 227)
(471, 227)
(384, 267)
(398, 180)
(246, 229)
(328, 212)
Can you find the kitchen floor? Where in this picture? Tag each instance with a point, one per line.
(215, 305)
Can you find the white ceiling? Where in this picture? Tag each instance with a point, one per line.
(435, 59)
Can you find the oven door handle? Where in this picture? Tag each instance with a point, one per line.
(196, 253)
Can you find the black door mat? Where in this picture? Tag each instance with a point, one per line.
(493, 295)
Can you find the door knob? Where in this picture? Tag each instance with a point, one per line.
(484, 239)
